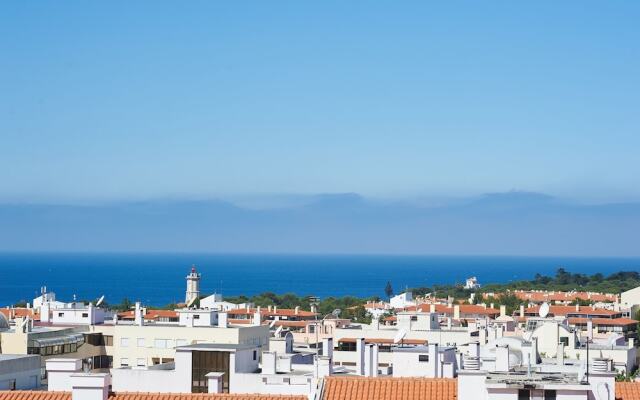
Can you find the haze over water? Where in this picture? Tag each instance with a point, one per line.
(159, 278)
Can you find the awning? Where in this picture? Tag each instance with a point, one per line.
(59, 340)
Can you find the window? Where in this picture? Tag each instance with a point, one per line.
(414, 317)
(196, 316)
(60, 314)
(181, 342)
(564, 340)
(140, 362)
(549, 395)
(124, 362)
(108, 340)
(85, 315)
(423, 358)
(162, 343)
(140, 342)
(255, 355)
(124, 342)
(524, 394)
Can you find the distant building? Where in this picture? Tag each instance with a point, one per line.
(193, 285)
(472, 283)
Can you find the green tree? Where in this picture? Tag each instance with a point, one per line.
(388, 290)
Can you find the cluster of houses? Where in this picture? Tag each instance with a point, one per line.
(414, 348)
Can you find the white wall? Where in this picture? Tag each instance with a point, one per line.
(23, 370)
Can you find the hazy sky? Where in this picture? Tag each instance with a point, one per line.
(143, 99)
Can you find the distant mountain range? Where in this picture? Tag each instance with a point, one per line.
(514, 223)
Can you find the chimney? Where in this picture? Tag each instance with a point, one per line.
(59, 371)
(503, 311)
(456, 311)
(44, 312)
(521, 310)
(214, 382)
(491, 305)
(257, 318)
(269, 308)
(484, 305)
(374, 361)
(371, 360)
(138, 317)
(297, 310)
(269, 359)
(223, 320)
(360, 356)
(589, 329)
(325, 366)
(433, 360)
(502, 358)
(90, 386)
(577, 307)
(432, 308)
(327, 347)
(275, 309)
(314, 308)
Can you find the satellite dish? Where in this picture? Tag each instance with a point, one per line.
(399, 336)
(277, 332)
(272, 324)
(100, 300)
(544, 310)
(336, 312)
(190, 303)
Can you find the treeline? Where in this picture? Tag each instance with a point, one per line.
(565, 281)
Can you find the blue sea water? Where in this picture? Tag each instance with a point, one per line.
(158, 279)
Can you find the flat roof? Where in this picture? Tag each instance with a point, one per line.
(5, 357)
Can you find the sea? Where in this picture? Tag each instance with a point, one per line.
(158, 279)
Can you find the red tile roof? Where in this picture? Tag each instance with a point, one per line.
(354, 388)
(290, 312)
(539, 297)
(384, 341)
(150, 315)
(627, 390)
(564, 310)
(464, 309)
(20, 312)
(42, 395)
(604, 321)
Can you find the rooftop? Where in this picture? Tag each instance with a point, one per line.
(359, 388)
(41, 395)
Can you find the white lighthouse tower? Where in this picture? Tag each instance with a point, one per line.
(193, 285)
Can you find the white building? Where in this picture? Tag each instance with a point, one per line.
(19, 372)
(402, 300)
(472, 283)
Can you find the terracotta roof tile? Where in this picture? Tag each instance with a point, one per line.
(42, 395)
(627, 390)
(354, 388)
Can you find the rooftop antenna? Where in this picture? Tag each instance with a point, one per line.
(399, 338)
(277, 332)
(544, 310)
(100, 300)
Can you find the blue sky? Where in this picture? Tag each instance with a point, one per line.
(116, 100)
